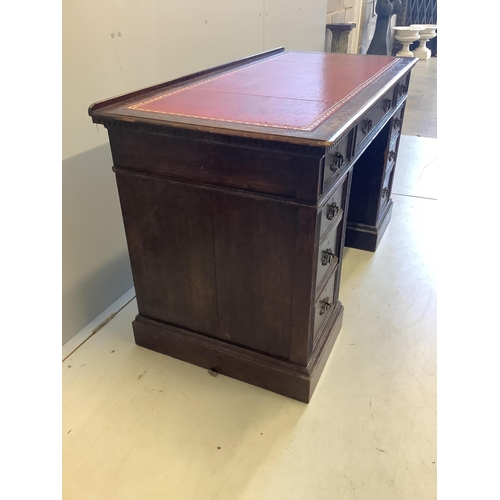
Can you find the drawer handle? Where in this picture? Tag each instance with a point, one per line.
(338, 161)
(328, 255)
(397, 123)
(325, 304)
(387, 105)
(403, 89)
(385, 193)
(392, 155)
(367, 126)
(332, 211)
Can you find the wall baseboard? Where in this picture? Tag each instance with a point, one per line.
(86, 332)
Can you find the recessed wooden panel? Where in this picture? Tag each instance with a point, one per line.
(254, 250)
(170, 240)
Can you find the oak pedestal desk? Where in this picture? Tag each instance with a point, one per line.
(239, 187)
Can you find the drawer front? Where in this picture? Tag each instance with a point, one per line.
(336, 160)
(324, 305)
(329, 250)
(392, 155)
(333, 210)
(401, 89)
(397, 122)
(371, 118)
(385, 195)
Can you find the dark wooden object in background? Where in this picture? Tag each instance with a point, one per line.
(236, 227)
(381, 41)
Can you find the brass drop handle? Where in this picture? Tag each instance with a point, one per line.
(325, 304)
(338, 161)
(387, 105)
(328, 255)
(392, 155)
(402, 89)
(397, 123)
(385, 192)
(332, 210)
(367, 126)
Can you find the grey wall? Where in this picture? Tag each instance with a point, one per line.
(115, 46)
(96, 268)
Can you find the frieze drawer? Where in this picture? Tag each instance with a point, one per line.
(370, 120)
(325, 304)
(335, 160)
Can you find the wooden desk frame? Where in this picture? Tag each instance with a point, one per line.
(236, 233)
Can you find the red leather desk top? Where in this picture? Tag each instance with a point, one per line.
(307, 98)
(293, 90)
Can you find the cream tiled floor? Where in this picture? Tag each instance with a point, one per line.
(140, 425)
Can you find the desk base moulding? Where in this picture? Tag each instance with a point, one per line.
(276, 375)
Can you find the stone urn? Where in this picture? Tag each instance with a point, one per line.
(407, 35)
(427, 32)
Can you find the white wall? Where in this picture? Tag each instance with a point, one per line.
(344, 11)
(115, 46)
(368, 22)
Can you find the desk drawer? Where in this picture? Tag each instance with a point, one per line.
(392, 155)
(333, 209)
(397, 122)
(371, 119)
(325, 304)
(335, 160)
(385, 195)
(401, 89)
(329, 252)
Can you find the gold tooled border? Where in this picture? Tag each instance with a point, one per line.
(308, 128)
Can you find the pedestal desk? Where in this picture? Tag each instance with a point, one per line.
(239, 187)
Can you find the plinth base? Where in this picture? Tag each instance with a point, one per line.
(364, 237)
(276, 375)
(422, 54)
(405, 53)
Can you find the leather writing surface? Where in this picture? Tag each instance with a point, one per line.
(293, 90)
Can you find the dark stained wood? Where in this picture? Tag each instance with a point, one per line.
(279, 173)
(228, 223)
(269, 373)
(370, 205)
(367, 180)
(224, 358)
(365, 237)
(337, 160)
(325, 301)
(304, 262)
(254, 258)
(171, 247)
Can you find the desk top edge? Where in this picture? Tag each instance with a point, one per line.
(108, 112)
